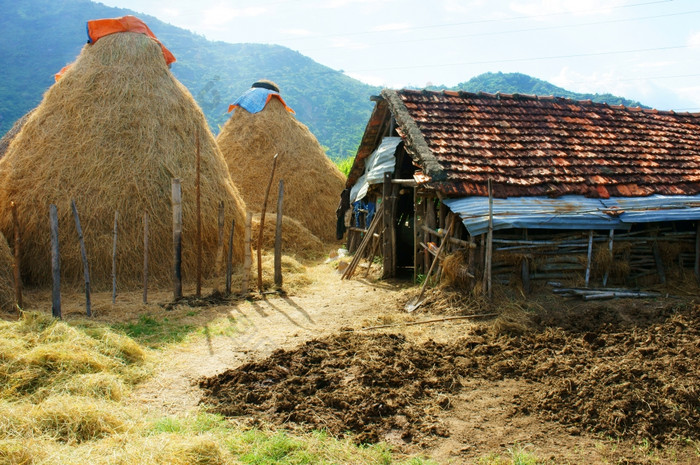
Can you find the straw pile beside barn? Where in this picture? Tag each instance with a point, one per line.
(249, 141)
(111, 134)
(7, 295)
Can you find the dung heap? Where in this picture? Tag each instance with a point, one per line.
(249, 140)
(111, 134)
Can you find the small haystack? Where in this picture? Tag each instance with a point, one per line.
(249, 141)
(7, 280)
(112, 133)
(296, 239)
(14, 130)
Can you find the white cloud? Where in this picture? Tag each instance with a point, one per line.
(460, 6)
(221, 13)
(342, 3)
(537, 8)
(391, 27)
(694, 40)
(374, 80)
(297, 32)
(341, 42)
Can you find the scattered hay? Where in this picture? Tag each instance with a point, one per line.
(7, 279)
(111, 134)
(40, 356)
(312, 183)
(295, 237)
(455, 271)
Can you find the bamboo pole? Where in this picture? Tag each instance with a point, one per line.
(220, 240)
(278, 237)
(177, 238)
(145, 257)
(489, 246)
(387, 252)
(83, 256)
(114, 259)
(55, 263)
(262, 222)
(198, 197)
(697, 252)
(16, 262)
(229, 258)
(247, 262)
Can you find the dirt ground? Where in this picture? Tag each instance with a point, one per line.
(571, 382)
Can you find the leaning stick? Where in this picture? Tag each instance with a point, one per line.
(262, 222)
(83, 256)
(15, 264)
(433, 320)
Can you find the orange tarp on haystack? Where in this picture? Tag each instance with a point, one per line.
(98, 28)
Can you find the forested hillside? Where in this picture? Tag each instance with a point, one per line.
(38, 37)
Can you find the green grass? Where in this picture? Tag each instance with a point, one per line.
(154, 333)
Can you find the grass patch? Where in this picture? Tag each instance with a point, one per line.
(345, 165)
(154, 332)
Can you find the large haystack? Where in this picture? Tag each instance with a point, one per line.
(312, 182)
(7, 280)
(111, 134)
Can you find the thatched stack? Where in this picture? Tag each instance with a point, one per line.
(112, 133)
(7, 290)
(312, 182)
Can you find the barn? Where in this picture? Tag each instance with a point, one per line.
(540, 188)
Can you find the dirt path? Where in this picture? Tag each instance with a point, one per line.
(256, 328)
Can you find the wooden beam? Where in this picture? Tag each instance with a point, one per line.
(387, 218)
(589, 257)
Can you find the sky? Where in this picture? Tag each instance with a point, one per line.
(645, 50)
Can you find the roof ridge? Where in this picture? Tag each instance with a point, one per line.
(522, 96)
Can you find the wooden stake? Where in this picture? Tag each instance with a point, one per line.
(145, 257)
(247, 262)
(177, 238)
(55, 263)
(387, 251)
(16, 263)
(489, 244)
(198, 196)
(589, 256)
(278, 237)
(229, 258)
(83, 256)
(697, 252)
(610, 250)
(220, 242)
(114, 259)
(262, 222)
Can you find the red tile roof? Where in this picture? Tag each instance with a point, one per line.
(552, 146)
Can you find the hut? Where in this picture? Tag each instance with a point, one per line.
(111, 134)
(541, 188)
(261, 126)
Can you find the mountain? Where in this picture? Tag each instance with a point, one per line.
(39, 37)
(517, 83)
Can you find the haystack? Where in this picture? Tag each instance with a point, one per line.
(312, 182)
(296, 239)
(12, 133)
(7, 290)
(111, 134)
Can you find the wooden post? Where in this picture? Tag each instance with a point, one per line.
(659, 262)
(415, 236)
(83, 256)
(177, 238)
(247, 261)
(55, 263)
(16, 262)
(145, 257)
(114, 259)
(198, 198)
(697, 252)
(610, 251)
(229, 258)
(429, 221)
(489, 243)
(387, 252)
(220, 240)
(589, 257)
(278, 237)
(262, 222)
